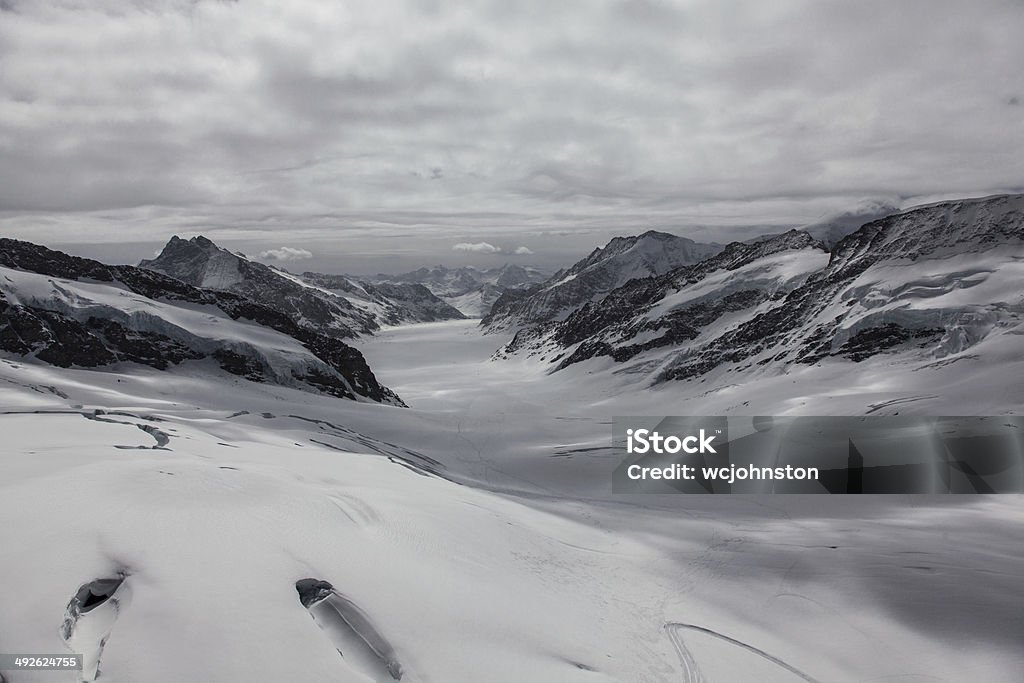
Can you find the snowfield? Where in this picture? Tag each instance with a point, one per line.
(473, 536)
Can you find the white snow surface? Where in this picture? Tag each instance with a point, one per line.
(518, 564)
(471, 304)
(785, 271)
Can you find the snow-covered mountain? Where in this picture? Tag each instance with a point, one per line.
(334, 304)
(680, 306)
(69, 311)
(471, 290)
(930, 284)
(391, 304)
(604, 269)
(933, 281)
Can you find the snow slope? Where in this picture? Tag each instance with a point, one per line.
(526, 569)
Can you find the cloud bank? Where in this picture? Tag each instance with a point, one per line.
(335, 120)
(477, 247)
(286, 254)
(488, 248)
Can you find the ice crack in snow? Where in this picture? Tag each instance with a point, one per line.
(352, 633)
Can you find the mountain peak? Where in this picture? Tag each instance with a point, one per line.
(658, 235)
(199, 262)
(620, 260)
(198, 241)
(178, 249)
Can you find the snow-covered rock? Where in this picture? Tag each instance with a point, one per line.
(680, 306)
(69, 311)
(471, 290)
(200, 262)
(604, 269)
(929, 283)
(334, 304)
(390, 304)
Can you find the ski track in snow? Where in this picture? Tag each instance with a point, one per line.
(691, 672)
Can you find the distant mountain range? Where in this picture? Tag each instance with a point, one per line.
(926, 285)
(603, 270)
(471, 290)
(930, 282)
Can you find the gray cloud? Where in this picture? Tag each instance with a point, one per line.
(488, 248)
(335, 122)
(286, 254)
(477, 247)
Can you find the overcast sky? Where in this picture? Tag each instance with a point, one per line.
(339, 135)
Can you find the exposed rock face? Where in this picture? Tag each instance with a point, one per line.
(605, 269)
(874, 340)
(129, 314)
(201, 263)
(502, 306)
(54, 338)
